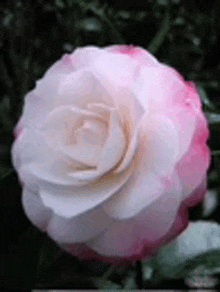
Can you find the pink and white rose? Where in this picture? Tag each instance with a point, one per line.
(111, 151)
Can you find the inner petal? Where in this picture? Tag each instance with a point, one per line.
(59, 126)
(90, 138)
(92, 132)
(115, 146)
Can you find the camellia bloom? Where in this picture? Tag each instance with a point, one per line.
(111, 151)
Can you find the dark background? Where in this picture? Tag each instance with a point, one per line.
(35, 34)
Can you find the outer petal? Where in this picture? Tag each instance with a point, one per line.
(196, 161)
(40, 99)
(145, 250)
(173, 97)
(34, 111)
(39, 162)
(85, 56)
(197, 196)
(80, 228)
(39, 215)
(185, 121)
(81, 88)
(159, 88)
(76, 89)
(138, 54)
(124, 238)
(77, 229)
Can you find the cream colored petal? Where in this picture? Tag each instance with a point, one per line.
(55, 173)
(155, 159)
(89, 143)
(116, 73)
(115, 145)
(73, 201)
(39, 161)
(130, 151)
(66, 129)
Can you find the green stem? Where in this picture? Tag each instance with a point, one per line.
(139, 275)
(162, 33)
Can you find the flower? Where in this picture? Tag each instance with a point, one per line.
(111, 151)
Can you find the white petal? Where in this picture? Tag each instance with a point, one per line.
(139, 54)
(32, 141)
(55, 173)
(123, 238)
(40, 100)
(130, 152)
(155, 159)
(34, 111)
(185, 121)
(72, 201)
(132, 144)
(118, 240)
(47, 86)
(85, 56)
(38, 161)
(158, 88)
(161, 214)
(65, 129)
(116, 72)
(115, 145)
(38, 214)
(120, 69)
(79, 228)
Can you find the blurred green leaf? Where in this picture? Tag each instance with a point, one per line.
(198, 245)
(162, 32)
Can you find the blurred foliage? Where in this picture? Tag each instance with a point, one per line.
(33, 35)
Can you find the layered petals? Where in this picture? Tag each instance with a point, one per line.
(147, 182)
(111, 149)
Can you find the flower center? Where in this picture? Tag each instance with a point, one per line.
(91, 132)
